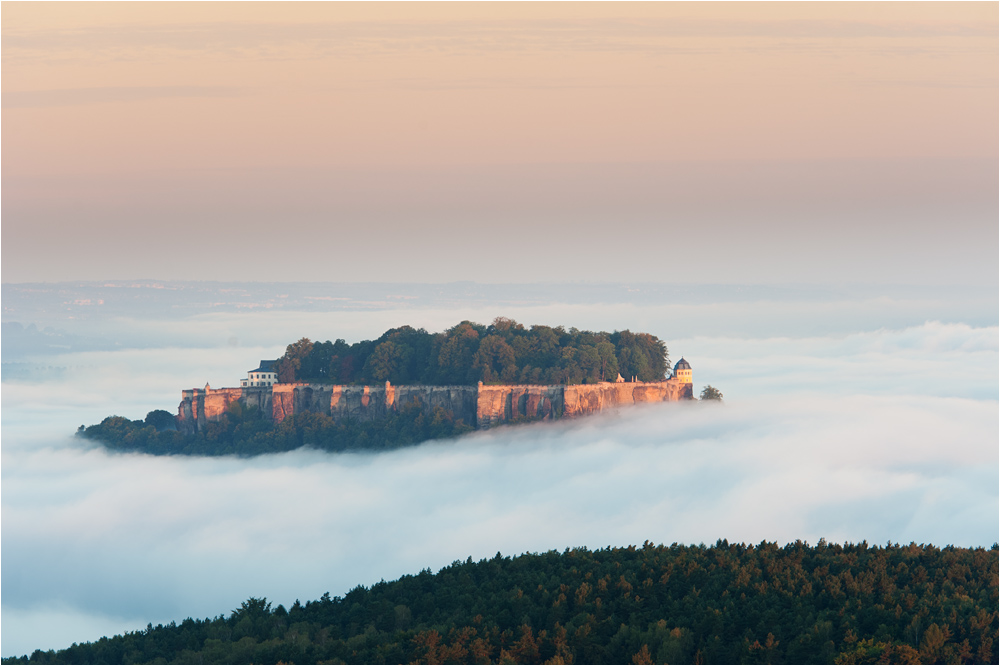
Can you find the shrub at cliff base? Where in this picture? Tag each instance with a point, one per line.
(246, 432)
(850, 604)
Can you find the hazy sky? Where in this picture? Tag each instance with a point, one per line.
(501, 142)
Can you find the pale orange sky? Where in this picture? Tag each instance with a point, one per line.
(113, 112)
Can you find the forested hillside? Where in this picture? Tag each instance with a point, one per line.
(727, 603)
(503, 352)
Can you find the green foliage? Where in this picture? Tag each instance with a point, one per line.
(711, 393)
(640, 355)
(161, 420)
(503, 352)
(494, 361)
(728, 603)
(389, 361)
(456, 349)
(245, 432)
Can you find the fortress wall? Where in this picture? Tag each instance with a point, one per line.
(362, 403)
(297, 397)
(350, 402)
(498, 404)
(198, 406)
(583, 399)
(668, 391)
(367, 403)
(282, 405)
(258, 398)
(216, 401)
(459, 400)
(479, 406)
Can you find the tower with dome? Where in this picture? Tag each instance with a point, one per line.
(682, 371)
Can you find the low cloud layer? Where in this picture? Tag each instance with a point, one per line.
(887, 435)
(47, 320)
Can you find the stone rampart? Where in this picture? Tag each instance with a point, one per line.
(580, 399)
(203, 405)
(481, 406)
(499, 404)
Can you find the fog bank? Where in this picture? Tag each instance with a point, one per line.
(884, 434)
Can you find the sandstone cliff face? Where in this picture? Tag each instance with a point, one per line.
(367, 403)
(479, 406)
(199, 406)
(498, 404)
(668, 391)
(258, 398)
(593, 398)
(459, 400)
(282, 401)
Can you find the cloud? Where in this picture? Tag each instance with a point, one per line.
(882, 443)
(276, 314)
(936, 359)
(164, 538)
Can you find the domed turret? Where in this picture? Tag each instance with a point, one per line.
(682, 371)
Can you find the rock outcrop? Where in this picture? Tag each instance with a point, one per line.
(481, 406)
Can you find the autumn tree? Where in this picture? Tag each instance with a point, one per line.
(289, 364)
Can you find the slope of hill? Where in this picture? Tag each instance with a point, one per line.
(728, 603)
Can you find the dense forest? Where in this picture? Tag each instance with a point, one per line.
(247, 432)
(728, 603)
(503, 352)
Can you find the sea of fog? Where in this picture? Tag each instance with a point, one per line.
(873, 418)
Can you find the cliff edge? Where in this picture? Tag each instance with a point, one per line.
(481, 406)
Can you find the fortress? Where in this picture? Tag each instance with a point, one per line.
(481, 406)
